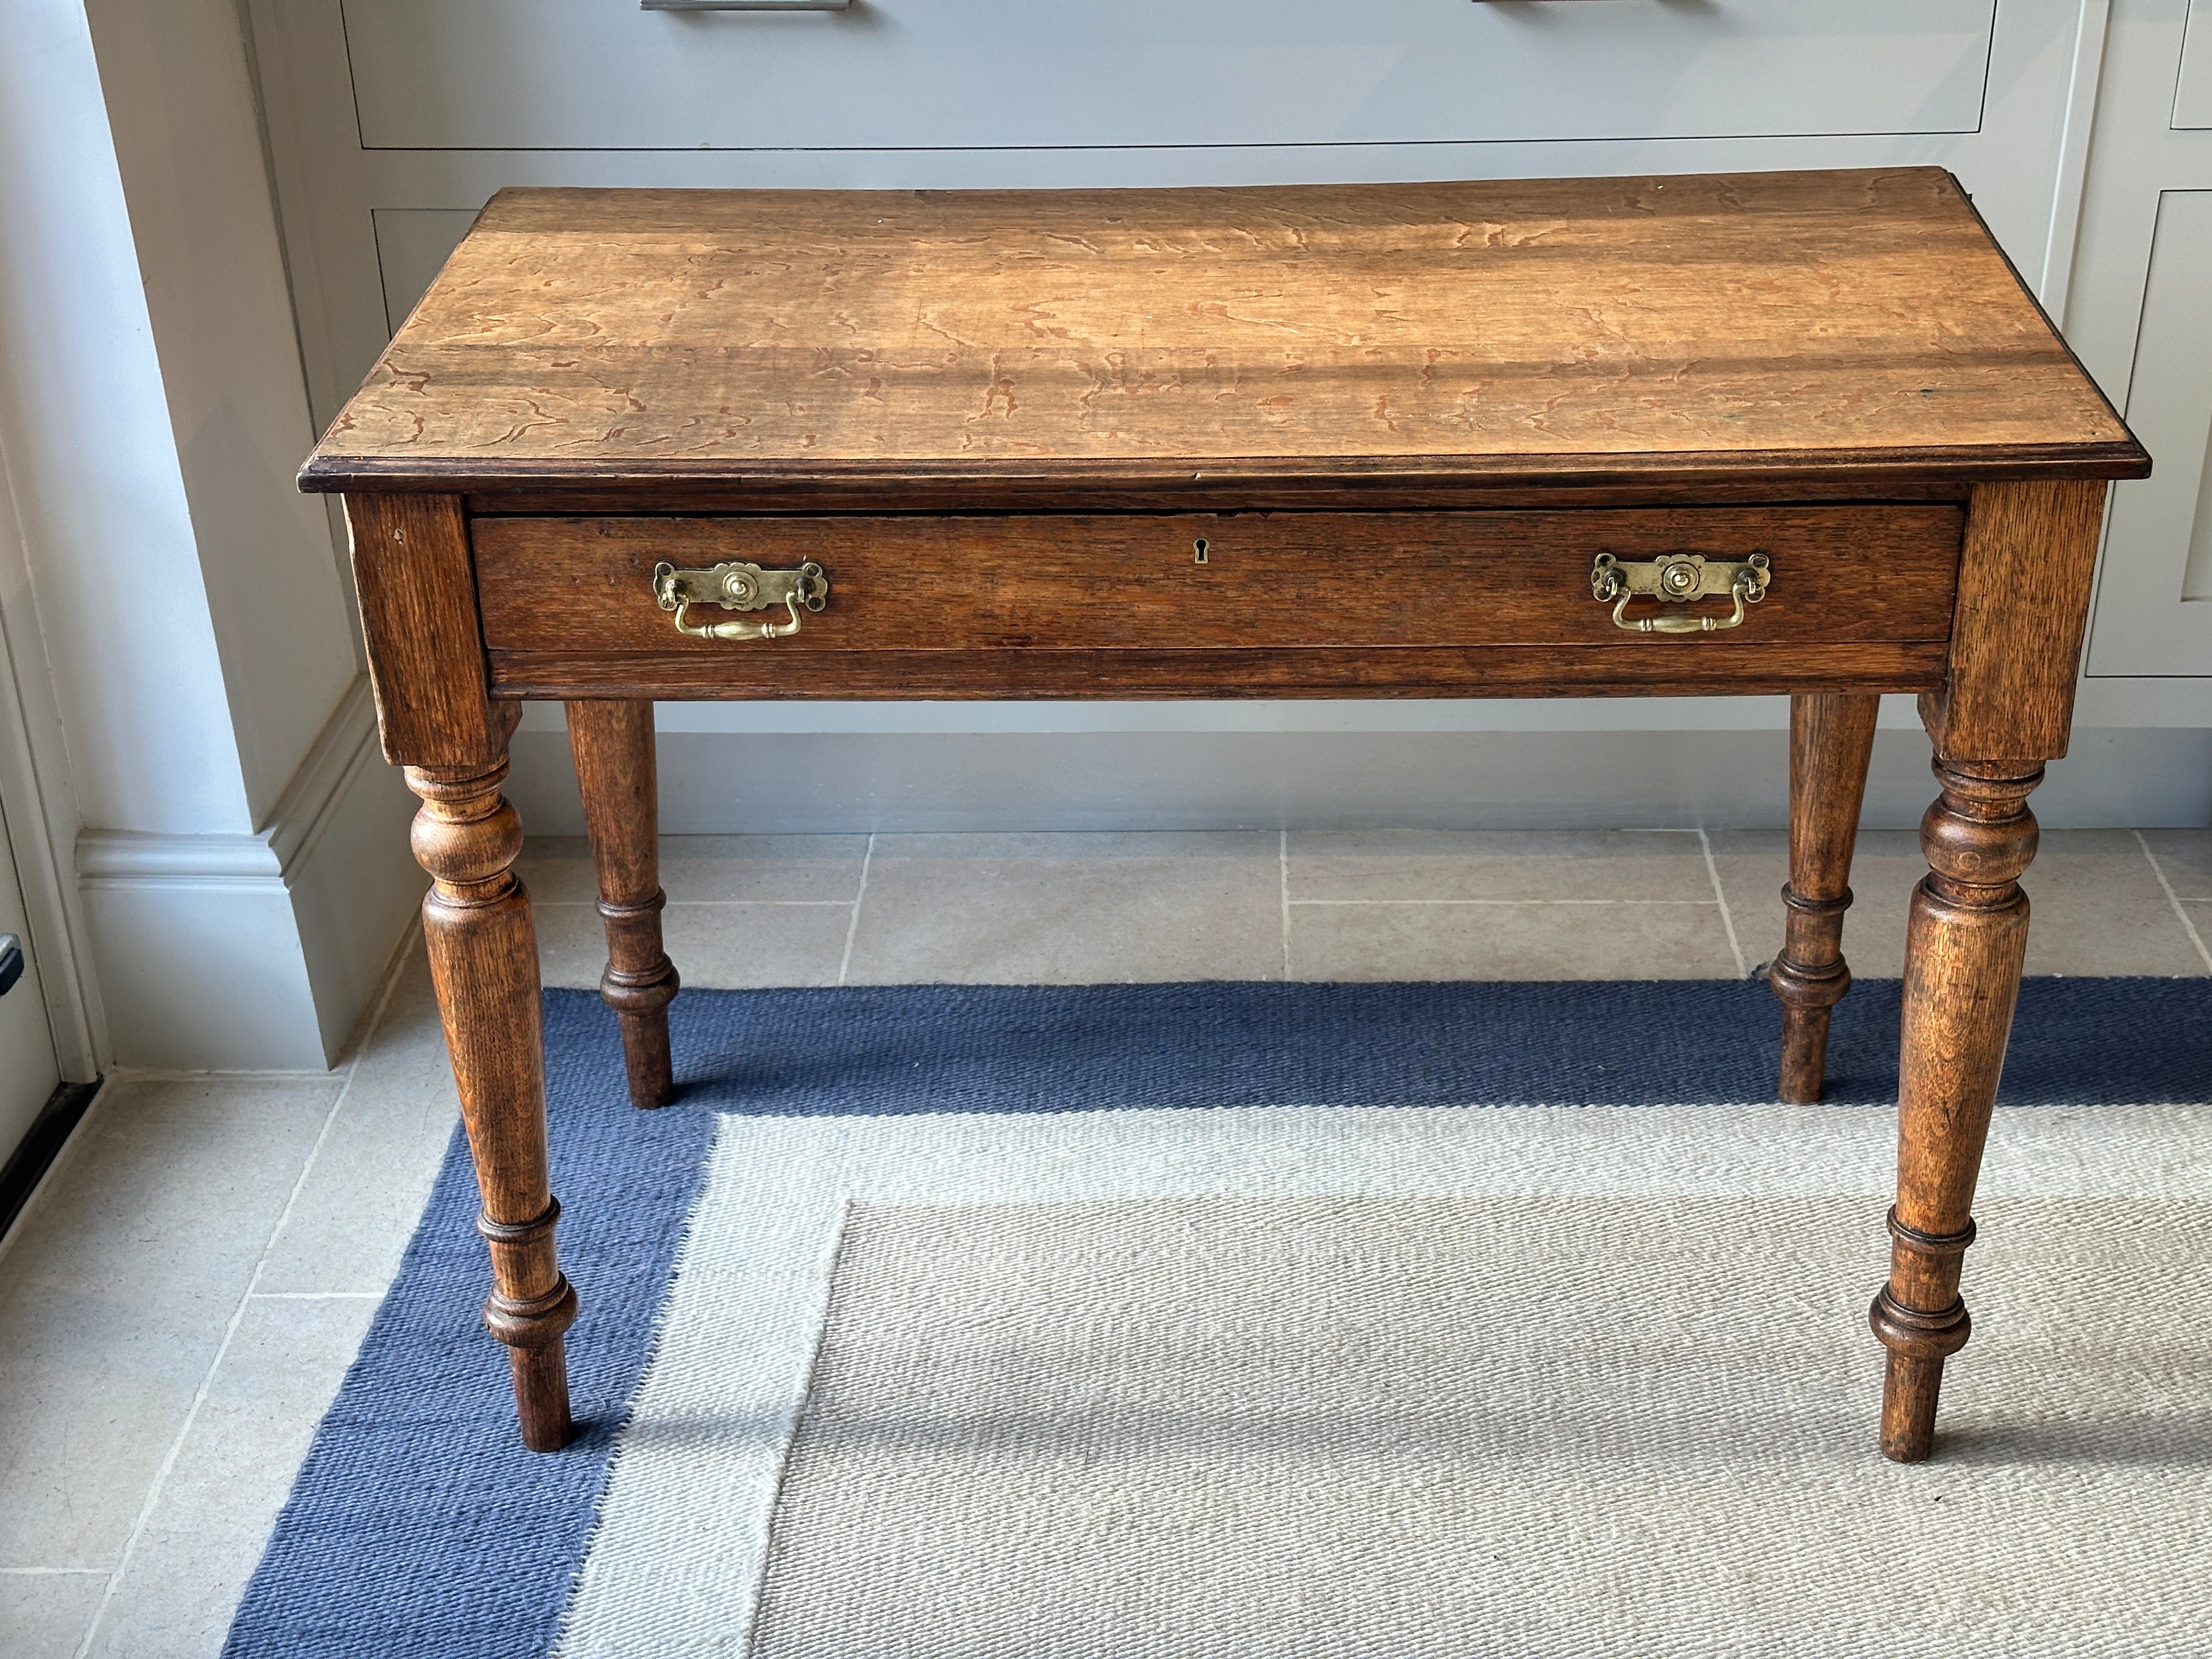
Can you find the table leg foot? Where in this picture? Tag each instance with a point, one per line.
(1918, 1343)
(1965, 945)
(541, 1395)
(483, 963)
(1830, 741)
(616, 771)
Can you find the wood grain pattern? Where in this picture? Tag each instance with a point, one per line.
(484, 965)
(2024, 592)
(1830, 741)
(617, 775)
(418, 613)
(1594, 330)
(1965, 945)
(1131, 582)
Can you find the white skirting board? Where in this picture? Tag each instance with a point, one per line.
(730, 782)
(222, 952)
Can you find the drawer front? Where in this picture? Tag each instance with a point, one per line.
(1451, 603)
(956, 74)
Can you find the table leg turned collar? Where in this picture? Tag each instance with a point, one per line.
(613, 746)
(1830, 741)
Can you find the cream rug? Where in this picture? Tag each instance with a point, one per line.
(1333, 1381)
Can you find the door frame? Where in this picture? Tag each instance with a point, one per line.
(41, 827)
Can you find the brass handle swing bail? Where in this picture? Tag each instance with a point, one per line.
(739, 586)
(1677, 579)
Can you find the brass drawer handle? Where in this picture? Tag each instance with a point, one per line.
(737, 586)
(1677, 579)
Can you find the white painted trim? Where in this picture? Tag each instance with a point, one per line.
(122, 858)
(34, 774)
(125, 858)
(254, 952)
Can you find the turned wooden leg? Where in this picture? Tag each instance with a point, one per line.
(483, 962)
(1964, 947)
(613, 746)
(1830, 739)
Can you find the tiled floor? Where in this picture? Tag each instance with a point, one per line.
(179, 1302)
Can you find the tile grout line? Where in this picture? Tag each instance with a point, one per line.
(852, 927)
(1728, 921)
(1283, 872)
(232, 1074)
(2173, 898)
(1512, 901)
(705, 904)
(237, 1317)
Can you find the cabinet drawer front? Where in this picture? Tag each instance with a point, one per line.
(954, 74)
(1289, 586)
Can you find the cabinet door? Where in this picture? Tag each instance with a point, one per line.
(955, 74)
(2155, 604)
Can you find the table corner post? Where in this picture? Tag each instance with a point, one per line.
(2004, 708)
(413, 574)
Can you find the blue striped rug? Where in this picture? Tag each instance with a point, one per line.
(418, 1527)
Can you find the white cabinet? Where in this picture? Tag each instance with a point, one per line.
(392, 120)
(2140, 315)
(961, 74)
(2153, 614)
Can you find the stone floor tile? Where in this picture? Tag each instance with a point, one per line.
(2185, 857)
(1753, 863)
(232, 1472)
(1498, 864)
(2098, 908)
(738, 946)
(707, 869)
(44, 1615)
(731, 946)
(357, 1206)
(1059, 909)
(115, 1294)
(2199, 914)
(1509, 941)
(750, 869)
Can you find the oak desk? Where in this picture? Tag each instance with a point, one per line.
(1800, 433)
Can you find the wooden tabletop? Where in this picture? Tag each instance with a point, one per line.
(1594, 330)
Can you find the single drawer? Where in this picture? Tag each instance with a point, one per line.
(1222, 604)
(955, 74)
